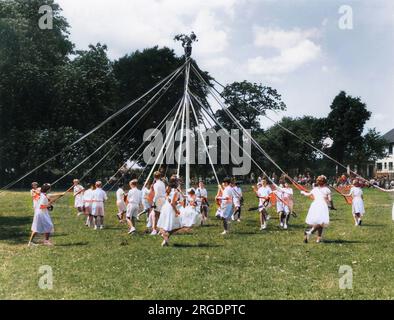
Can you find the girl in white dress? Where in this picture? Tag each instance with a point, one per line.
(120, 203)
(202, 198)
(134, 201)
(358, 209)
(263, 193)
(98, 199)
(145, 202)
(238, 199)
(87, 204)
(168, 221)
(190, 215)
(283, 204)
(78, 196)
(225, 198)
(318, 215)
(42, 222)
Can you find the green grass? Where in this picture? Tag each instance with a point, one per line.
(247, 264)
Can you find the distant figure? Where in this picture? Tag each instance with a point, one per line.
(99, 198)
(120, 203)
(225, 199)
(134, 201)
(202, 199)
(263, 193)
(88, 205)
(237, 200)
(358, 209)
(78, 196)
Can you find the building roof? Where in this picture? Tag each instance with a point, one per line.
(389, 136)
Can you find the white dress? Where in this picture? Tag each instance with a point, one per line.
(88, 201)
(189, 216)
(358, 202)
(120, 200)
(264, 192)
(42, 222)
(168, 220)
(78, 194)
(226, 205)
(318, 212)
(98, 197)
(145, 202)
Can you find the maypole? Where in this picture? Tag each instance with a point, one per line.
(187, 45)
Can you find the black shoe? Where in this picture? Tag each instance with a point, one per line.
(360, 222)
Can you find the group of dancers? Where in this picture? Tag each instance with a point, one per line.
(169, 209)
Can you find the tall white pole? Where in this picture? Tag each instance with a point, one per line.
(187, 125)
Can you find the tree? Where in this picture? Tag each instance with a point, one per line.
(345, 125)
(137, 72)
(247, 101)
(372, 148)
(288, 151)
(29, 58)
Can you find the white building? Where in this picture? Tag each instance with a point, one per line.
(385, 166)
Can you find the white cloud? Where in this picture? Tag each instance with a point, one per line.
(129, 25)
(295, 48)
(219, 62)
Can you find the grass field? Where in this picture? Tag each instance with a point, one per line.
(246, 264)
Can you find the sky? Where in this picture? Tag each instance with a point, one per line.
(309, 50)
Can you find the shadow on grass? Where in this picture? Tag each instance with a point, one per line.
(198, 245)
(15, 230)
(373, 225)
(72, 244)
(340, 241)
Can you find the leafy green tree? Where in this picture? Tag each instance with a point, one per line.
(345, 125)
(247, 102)
(288, 151)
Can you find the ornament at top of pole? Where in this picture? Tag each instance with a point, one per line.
(187, 41)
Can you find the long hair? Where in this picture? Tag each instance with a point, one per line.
(172, 184)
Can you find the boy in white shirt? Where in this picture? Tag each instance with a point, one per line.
(160, 194)
(134, 200)
(99, 197)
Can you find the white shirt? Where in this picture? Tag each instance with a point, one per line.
(356, 192)
(229, 194)
(78, 190)
(87, 195)
(202, 193)
(78, 194)
(99, 195)
(237, 192)
(160, 189)
(134, 196)
(320, 194)
(43, 201)
(120, 195)
(263, 192)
